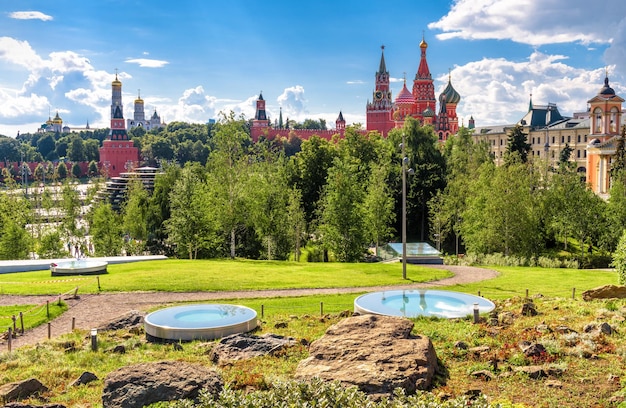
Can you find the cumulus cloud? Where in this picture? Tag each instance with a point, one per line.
(147, 63)
(293, 101)
(497, 91)
(532, 22)
(30, 15)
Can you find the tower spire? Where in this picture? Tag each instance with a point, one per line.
(383, 67)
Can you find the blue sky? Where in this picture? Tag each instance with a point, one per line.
(193, 59)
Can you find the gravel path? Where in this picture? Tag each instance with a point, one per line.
(94, 310)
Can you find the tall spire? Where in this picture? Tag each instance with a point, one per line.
(383, 67)
(423, 72)
(530, 104)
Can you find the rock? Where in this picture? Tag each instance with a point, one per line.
(461, 345)
(528, 309)
(506, 318)
(85, 378)
(605, 292)
(533, 372)
(21, 389)
(543, 328)
(554, 384)
(177, 346)
(146, 383)
(479, 351)
(245, 345)
(606, 329)
(280, 325)
(564, 330)
(132, 320)
(374, 353)
(483, 375)
(532, 349)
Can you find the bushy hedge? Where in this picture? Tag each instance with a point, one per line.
(294, 394)
(499, 259)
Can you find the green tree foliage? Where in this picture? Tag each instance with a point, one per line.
(15, 213)
(51, 245)
(227, 167)
(342, 224)
(296, 222)
(501, 214)
(60, 173)
(191, 227)
(77, 172)
(159, 207)
(9, 150)
(517, 146)
(309, 170)
(105, 229)
(378, 206)
(267, 199)
(93, 169)
(134, 217)
(71, 226)
(47, 145)
(76, 149)
(619, 259)
(428, 163)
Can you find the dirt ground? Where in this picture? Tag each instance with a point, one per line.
(95, 310)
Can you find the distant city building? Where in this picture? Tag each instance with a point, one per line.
(118, 153)
(56, 125)
(591, 135)
(139, 117)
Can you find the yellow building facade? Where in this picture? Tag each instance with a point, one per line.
(591, 136)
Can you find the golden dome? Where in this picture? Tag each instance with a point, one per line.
(116, 82)
(139, 101)
(57, 119)
(423, 44)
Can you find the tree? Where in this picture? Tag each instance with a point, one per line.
(502, 212)
(93, 169)
(309, 170)
(342, 221)
(14, 240)
(159, 207)
(191, 227)
(134, 217)
(76, 149)
(267, 196)
(60, 172)
(105, 228)
(618, 161)
(46, 145)
(296, 223)
(227, 167)
(77, 172)
(517, 147)
(378, 206)
(619, 259)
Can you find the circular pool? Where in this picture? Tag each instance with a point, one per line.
(199, 322)
(421, 302)
(78, 267)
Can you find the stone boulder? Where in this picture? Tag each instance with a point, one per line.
(605, 292)
(146, 383)
(375, 353)
(245, 345)
(128, 321)
(21, 389)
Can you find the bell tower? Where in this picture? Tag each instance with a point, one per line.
(378, 112)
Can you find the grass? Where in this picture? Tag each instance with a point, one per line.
(32, 315)
(587, 363)
(174, 275)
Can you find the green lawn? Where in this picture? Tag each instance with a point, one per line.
(32, 315)
(220, 275)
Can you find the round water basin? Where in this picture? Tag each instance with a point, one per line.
(199, 322)
(421, 302)
(78, 267)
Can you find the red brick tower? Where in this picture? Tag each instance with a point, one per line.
(118, 154)
(379, 111)
(423, 88)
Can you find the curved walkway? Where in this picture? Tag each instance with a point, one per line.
(95, 310)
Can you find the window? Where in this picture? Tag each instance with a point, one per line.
(569, 139)
(578, 154)
(552, 139)
(562, 139)
(597, 120)
(578, 139)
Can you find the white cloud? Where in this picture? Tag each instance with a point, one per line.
(30, 15)
(355, 82)
(147, 63)
(293, 101)
(497, 91)
(532, 22)
(19, 53)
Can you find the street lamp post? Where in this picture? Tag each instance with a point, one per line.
(405, 170)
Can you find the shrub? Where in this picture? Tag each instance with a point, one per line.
(318, 393)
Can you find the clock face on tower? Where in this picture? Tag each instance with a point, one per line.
(378, 95)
